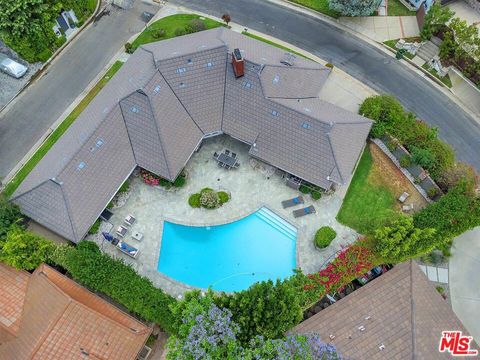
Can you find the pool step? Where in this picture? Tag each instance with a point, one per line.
(277, 222)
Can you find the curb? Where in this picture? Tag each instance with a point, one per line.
(40, 72)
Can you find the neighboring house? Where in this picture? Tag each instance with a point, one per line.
(401, 313)
(45, 315)
(65, 23)
(168, 97)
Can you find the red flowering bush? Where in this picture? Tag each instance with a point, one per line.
(351, 262)
(149, 178)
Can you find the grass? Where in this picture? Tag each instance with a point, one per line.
(246, 33)
(318, 5)
(391, 43)
(59, 131)
(169, 24)
(445, 80)
(396, 8)
(367, 206)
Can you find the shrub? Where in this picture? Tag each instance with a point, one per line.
(180, 32)
(60, 41)
(205, 190)
(227, 18)
(436, 17)
(304, 189)
(316, 194)
(405, 161)
(422, 157)
(129, 48)
(385, 110)
(223, 197)
(96, 225)
(195, 25)
(44, 55)
(194, 200)
(25, 250)
(209, 199)
(329, 65)
(124, 188)
(354, 7)
(324, 236)
(452, 176)
(180, 181)
(158, 33)
(432, 192)
(101, 273)
(9, 214)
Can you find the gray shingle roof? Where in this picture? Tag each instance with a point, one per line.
(155, 111)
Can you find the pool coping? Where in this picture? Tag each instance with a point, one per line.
(187, 287)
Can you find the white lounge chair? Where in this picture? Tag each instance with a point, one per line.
(122, 231)
(403, 197)
(129, 220)
(407, 208)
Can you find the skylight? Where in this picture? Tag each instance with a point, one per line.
(305, 125)
(99, 143)
(247, 85)
(274, 113)
(157, 88)
(81, 166)
(134, 109)
(181, 70)
(182, 85)
(209, 65)
(276, 79)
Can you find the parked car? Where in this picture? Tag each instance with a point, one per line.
(12, 67)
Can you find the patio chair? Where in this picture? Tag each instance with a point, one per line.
(292, 202)
(129, 220)
(215, 155)
(127, 249)
(122, 231)
(237, 165)
(227, 152)
(234, 155)
(403, 197)
(305, 211)
(407, 208)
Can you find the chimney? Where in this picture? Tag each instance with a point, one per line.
(238, 63)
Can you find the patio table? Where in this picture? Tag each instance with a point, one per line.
(137, 236)
(227, 160)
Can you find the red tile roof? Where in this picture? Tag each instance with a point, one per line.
(63, 320)
(401, 310)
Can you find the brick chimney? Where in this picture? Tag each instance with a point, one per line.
(238, 63)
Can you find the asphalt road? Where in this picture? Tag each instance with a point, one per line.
(42, 103)
(359, 59)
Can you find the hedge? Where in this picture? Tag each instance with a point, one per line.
(324, 236)
(101, 273)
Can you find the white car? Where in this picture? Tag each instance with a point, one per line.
(12, 67)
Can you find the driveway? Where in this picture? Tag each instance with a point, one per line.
(42, 103)
(363, 61)
(464, 283)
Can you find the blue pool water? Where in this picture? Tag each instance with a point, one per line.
(229, 257)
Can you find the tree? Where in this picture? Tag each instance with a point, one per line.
(458, 173)
(265, 309)
(9, 215)
(227, 18)
(354, 7)
(402, 240)
(385, 110)
(422, 157)
(25, 250)
(436, 17)
(467, 38)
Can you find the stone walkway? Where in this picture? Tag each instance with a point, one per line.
(250, 189)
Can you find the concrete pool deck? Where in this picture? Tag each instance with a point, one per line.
(250, 189)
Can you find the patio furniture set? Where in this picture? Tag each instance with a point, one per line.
(299, 212)
(122, 231)
(402, 199)
(227, 159)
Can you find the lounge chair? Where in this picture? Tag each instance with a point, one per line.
(129, 220)
(403, 197)
(292, 202)
(127, 249)
(237, 165)
(215, 155)
(305, 211)
(122, 231)
(407, 208)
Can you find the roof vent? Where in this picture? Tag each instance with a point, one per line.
(238, 63)
(361, 328)
(332, 336)
(381, 347)
(288, 59)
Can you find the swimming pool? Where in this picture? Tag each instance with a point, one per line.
(229, 257)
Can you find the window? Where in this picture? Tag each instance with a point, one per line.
(209, 64)
(189, 62)
(305, 125)
(99, 143)
(247, 85)
(274, 113)
(134, 109)
(180, 70)
(157, 88)
(81, 166)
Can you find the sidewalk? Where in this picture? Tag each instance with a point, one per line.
(383, 28)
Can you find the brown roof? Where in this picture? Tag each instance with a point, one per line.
(401, 310)
(63, 320)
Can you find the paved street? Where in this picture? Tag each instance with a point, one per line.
(359, 59)
(41, 104)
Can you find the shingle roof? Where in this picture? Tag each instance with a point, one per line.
(169, 95)
(406, 315)
(62, 320)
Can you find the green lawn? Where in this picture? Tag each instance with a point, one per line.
(366, 206)
(391, 43)
(58, 132)
(246, 33)
(169, 24)
(318, 5)
(445, 80)
(396, 8)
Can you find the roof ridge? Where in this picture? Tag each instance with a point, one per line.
(334, 156)
(298, 111)
(180, 55)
